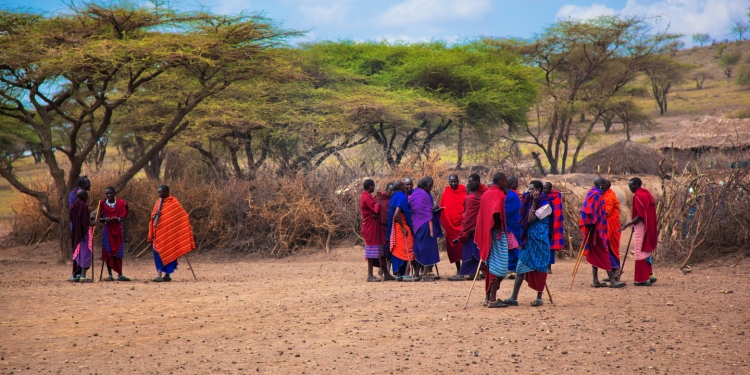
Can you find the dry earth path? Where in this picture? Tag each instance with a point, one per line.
(315, 314)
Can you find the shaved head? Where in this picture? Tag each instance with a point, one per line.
(600, 182)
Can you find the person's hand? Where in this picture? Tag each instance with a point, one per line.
(404, 231)
(534, 194)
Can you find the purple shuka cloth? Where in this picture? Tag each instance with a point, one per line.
(420, 204)
(82, 254)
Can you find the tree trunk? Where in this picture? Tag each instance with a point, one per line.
(460, 146)
(538, 161)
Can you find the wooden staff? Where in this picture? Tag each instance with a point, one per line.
(472, 283)
(93, 231)
(191, 267)
(625, 258)
(580, 256)
(548, 293)
(408, 256)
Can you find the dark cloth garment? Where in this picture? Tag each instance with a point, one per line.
(168, 268)
(642, 270)
(451, 218)
(80, 221)
(552, 256)
(370, 210)
(399, 200)
(492, 203)
(513, 213)
(512, 259)
(536, 280)
(614, 261)
(113, 230)
(420, 204)
(426, 250)
(383, 201)
(594, 213)
(488, 277)
(645, 208)
(469, 258)
(469, 218)
(72, 197)
(557, 241)
(597, 254)
(112, 262)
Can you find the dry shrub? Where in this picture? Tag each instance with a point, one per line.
(29, 225)
(708, 222)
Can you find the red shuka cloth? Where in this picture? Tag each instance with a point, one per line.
(114, 229)
(481, 189)
(80, 221)
(370, 210)
(645, 208)
(493, 202)
(384, 201)
(469, 216)
(536, 280)
(450, 218)
(173, 237)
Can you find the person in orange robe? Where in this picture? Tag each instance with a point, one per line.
(612, 206)
(169, 233)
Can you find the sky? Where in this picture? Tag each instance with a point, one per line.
(455, 20)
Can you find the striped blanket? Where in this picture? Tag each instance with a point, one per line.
(173, 237)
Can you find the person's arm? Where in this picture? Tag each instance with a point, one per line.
(635, 220)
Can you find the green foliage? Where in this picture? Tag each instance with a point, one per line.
(728, 61)
(743, 74)
(701, 38)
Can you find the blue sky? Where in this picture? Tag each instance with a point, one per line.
(451, 20)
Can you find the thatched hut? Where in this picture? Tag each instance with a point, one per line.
(710, 136)
(623, 158)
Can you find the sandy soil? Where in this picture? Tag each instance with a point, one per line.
(316, 314)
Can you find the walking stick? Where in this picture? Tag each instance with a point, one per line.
(191, 267)
(625, 258)
(580, 256)
(93, 231)
(437, 270)
(472, 283)
(548, 293)
(406, 244)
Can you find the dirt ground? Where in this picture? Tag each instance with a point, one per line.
(315, 314)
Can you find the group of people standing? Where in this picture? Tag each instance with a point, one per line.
(169, 232)
(510, 234)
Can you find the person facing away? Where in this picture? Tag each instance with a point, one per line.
(491, 238)
(399, 233)
(83, 184)
(169, 233)
(80, 235)
(533, 259)
(595, 231)
(557, 241)
(371, 233)
(645, 232)
(426, 226)
(112, 211)
(612, 206)
(513, 224)
(384, 199)
(452, 204)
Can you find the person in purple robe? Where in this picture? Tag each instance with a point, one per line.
(81, 224)
(83, 184)
(425, 217)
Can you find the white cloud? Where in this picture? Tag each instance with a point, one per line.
(580, 12)
(682, 16)
(411, 12)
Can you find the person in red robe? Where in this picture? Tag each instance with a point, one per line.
(112, 211)
(371, 233)
(594, 228)
(384, 200)
(452, 202)
(645, 232)
(481, 188)
(612, 206)
(557, 236)
(469, 251)
(491, 239)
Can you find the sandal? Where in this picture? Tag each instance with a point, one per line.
(408, 278)
(510, 302)
(110, 278)
(158, 279)
(606, 279)
(537, 302)
(652, 279)
(373, 279)
(511, 275)
(497, 304)
(617, 285)
(389, 278)
(73, 279)
(86, 281)
(646, 283)
(599, 285)
(167, 278)
(432, 276)
(122, 278)
(457, 277)
(486, 303)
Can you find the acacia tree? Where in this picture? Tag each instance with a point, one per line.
(583, 65)
(701, 38)
(663, 72)
(77, 70)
